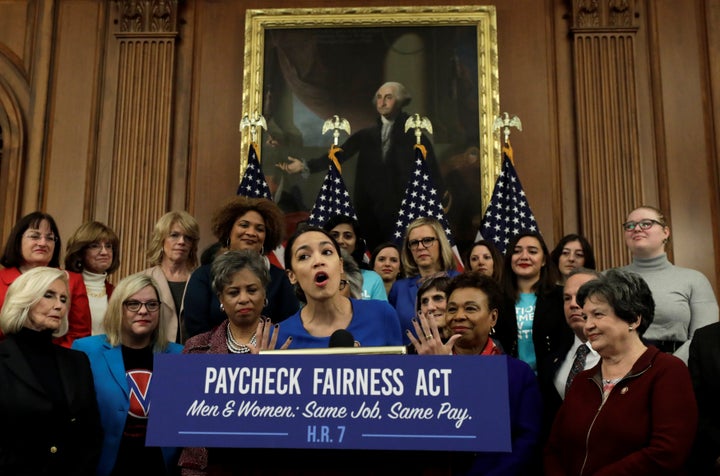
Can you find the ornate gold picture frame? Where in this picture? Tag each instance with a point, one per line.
(446, 55)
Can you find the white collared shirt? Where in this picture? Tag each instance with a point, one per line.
(564, 370)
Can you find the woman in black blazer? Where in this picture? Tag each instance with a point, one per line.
(530, 278)
(48, 411)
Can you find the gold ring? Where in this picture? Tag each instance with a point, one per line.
(428, 337)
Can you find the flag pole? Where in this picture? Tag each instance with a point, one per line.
(508, 212)
(333, 197)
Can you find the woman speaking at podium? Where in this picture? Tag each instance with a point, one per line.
(315, 269)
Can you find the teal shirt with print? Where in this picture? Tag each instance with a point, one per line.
(525, 311)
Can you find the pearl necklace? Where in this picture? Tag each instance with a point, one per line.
(235, 347)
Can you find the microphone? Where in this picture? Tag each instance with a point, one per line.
(341, 338)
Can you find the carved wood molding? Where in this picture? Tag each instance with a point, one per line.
(604, 14)
(142, 152)
(148, 16)
(604, 61)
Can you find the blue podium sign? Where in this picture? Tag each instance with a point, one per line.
(403, 402)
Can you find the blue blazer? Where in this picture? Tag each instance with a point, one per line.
(113, 396)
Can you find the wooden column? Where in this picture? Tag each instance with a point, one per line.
(604, 36)
(143, 124)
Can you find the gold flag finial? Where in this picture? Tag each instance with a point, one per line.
(418, 123)
(253, 124)
(336, 124)
(505, 122)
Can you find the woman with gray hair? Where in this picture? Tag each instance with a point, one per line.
(47, 402)
(351, 286)
(122, 366)
(635, 411)
(239, 279)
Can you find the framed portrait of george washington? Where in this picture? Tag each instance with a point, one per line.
(304, 66)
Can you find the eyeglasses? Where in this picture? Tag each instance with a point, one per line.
(642, 224)
(427, 242)
(175, 236)
(134, 306)
(98, 246)
(35, 236)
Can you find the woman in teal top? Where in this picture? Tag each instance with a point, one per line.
(530, 278)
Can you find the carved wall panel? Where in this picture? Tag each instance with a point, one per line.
(141, 153)
(607, 129)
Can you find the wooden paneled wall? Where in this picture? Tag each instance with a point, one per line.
(606, 105)
(143, 127)
(102, 120)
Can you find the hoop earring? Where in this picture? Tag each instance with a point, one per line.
(222, 308)
(262, 250)
(227, 243)
(266, 302)
(492, 331)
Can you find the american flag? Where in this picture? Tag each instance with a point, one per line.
(508, 213)
(333, 198)
(422, 200)
(253, 184)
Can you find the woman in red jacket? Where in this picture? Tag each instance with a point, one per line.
(35, 241)
(93, 251)
(634, 413)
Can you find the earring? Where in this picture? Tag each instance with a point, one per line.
(262, 250)
(630, 328)
(227, 243)
(266, 302)
(222, 308)
(492, 330)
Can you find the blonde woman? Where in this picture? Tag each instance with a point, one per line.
(173, 255)
(684, 297)
(47, 402)
(426, 251)
(122, 361)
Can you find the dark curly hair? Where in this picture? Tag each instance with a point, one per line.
(477, 280)
(224, 219)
